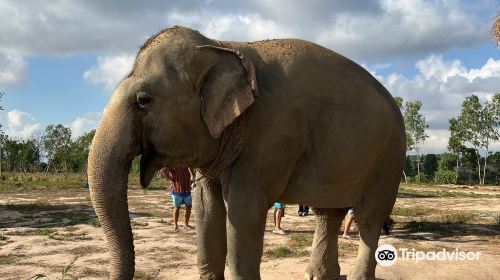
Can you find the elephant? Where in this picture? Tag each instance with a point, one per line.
(276, 120)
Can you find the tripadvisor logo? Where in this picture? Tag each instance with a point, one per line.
(386, 255)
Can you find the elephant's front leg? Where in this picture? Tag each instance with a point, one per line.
(324, 262)
(210, 214)
(245, 233)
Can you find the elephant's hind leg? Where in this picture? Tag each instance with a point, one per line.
(324, 262)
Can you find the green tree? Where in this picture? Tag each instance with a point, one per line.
(456, 141)
(1, 135)
(56, 141)
(469, 158)
(415, 128)
(445, 173)
(430, 165)
(80, 148)
(480, 127)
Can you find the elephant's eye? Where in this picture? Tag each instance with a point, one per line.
(143, 100)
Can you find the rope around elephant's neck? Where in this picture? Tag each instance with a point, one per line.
(231, 144)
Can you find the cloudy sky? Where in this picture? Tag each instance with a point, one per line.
(61, 59)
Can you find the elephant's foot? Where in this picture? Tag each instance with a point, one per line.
(211, 276)
(321, 274)
(360, 276)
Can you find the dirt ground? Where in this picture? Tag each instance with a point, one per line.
(53, 234)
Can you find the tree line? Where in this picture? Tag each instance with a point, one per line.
(469, 158)
(52, 150)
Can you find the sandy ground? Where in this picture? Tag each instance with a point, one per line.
(41, 232)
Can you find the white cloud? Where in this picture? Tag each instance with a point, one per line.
(12, 70)
(361, 29)
(109, 70)
(244, 27)
(85, 123)
(442, 85)
(19, 124)
(405, 28)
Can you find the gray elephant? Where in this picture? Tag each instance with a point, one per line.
(274, 120)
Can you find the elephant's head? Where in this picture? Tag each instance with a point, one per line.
(183, 91)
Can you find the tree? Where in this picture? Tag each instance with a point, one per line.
(430, 165)
(480, 127)
(445, 173)
(1, 134)
(56, 142)
(408, 165)
(456, 141)
(415, 128)
(80, 151)
(469, 158)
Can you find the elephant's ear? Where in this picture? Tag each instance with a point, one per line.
(228, 88)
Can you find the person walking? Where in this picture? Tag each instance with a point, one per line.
(279, 212)
(180, 190)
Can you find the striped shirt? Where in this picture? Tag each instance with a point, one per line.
(181, 180)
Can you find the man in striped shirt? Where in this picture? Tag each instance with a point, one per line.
(180, 189)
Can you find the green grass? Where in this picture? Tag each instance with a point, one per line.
(459, 217)
(423, 226)
(444, 193)
(6, 259)
(70, 236)
(30, 208)
(16, 181)
(3, 237)
(44, 232)
(295, 247)
(143, 275)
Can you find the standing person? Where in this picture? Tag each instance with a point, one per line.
(303, 210)
(180, 189)
(279, 212)
(348, 221)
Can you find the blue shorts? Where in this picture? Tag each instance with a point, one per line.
(278, 205)
(178, 200)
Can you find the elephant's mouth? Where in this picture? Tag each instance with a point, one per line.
(150, 163)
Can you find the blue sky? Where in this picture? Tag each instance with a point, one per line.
(59, 63)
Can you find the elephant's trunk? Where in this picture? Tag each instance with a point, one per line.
(109, 164)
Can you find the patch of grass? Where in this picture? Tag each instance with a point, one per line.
(41, 180)
(444, 193)
(95, 273)
(29, 208)
(411, 211)
(459, 217)
(94, 222)
(347, 248)
(301, 241)
(423, 226)
(70, 228)
(162, 221)
(70, 237)
(279, 253)
(3, 237)
(44, 232)
(74, 218)
(295, 247)
(143, 275)
(139, 224)
(6, 259)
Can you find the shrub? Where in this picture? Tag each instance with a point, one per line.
(444, 177)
